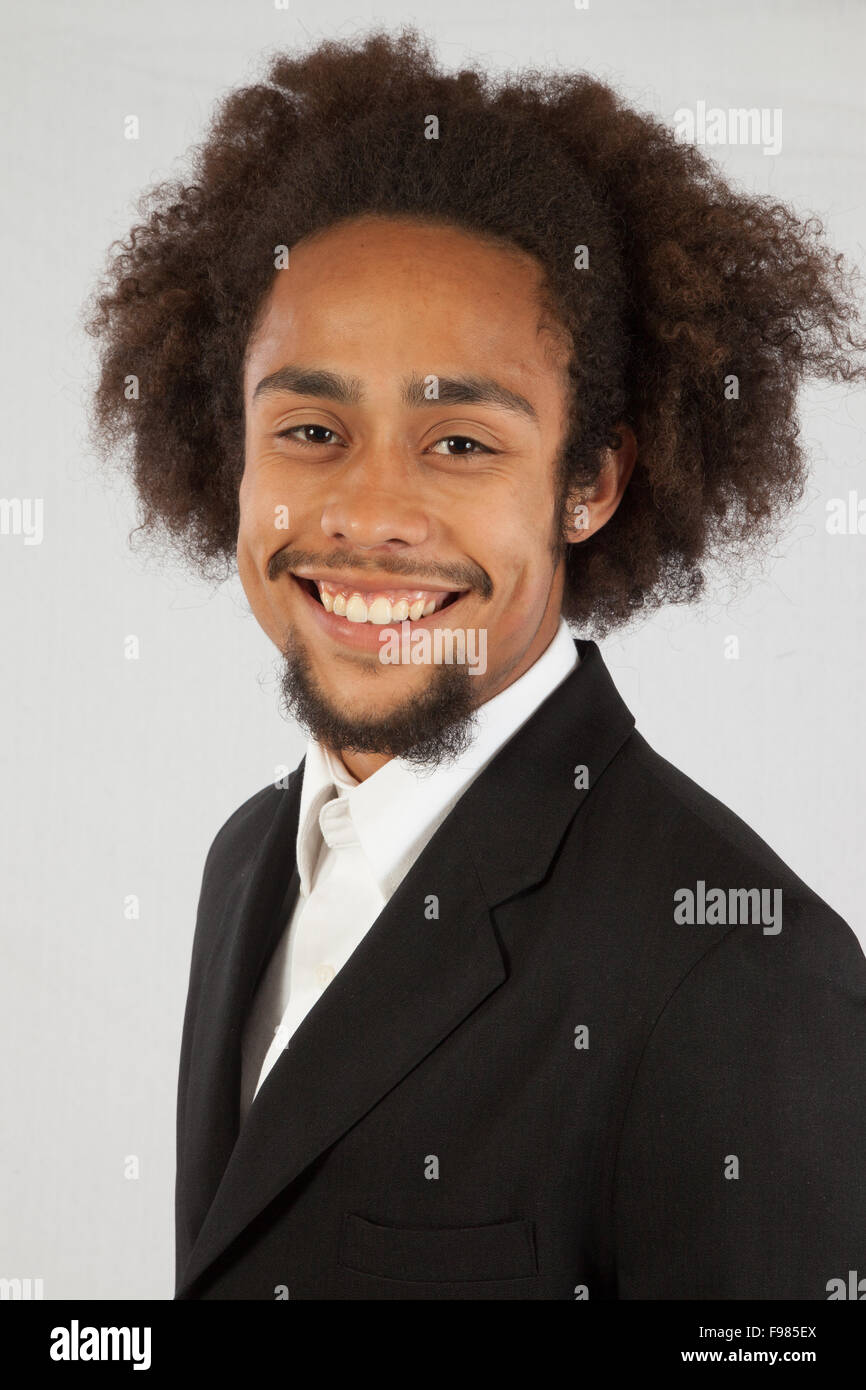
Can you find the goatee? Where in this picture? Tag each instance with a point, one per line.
(428, 729)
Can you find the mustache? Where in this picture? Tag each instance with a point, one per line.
(465, 576)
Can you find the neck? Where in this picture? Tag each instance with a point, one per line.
(362, 765)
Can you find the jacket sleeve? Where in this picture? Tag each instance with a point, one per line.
(741, 1163)
(223, 863)
(183, 1237)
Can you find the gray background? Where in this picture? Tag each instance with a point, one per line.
(117, 774)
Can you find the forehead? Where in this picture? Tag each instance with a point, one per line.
(391, 295)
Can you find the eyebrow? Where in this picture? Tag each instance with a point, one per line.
(349, 390)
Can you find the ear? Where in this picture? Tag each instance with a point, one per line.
(587, 510)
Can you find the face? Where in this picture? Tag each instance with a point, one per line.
(404, 408)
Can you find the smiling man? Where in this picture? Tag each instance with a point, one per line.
(388, 519)
(487, 1000)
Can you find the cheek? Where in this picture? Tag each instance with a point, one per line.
(259, 537)
(265, 516)
(517, 552)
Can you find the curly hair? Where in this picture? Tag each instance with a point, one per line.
(689, 283)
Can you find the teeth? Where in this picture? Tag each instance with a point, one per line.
(378, 609)
(356, 609)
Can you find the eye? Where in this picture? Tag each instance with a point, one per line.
(461, 440)
(458, 442)
(292, 434)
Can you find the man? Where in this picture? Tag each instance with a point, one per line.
(487, 1000)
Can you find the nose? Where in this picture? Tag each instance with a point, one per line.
(375, 501)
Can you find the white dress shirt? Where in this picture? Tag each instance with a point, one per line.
(356, 842)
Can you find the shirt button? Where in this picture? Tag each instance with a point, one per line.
(324, 975)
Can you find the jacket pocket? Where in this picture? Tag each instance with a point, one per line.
(505, 1250)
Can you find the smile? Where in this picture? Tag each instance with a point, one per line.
(379, 606)
(360, 619)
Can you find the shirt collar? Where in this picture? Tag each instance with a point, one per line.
(398, 809)
(325, 777)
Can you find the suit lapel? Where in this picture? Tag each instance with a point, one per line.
(410, 981)
(413, 978)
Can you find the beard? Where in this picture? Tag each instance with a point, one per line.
(427, 729)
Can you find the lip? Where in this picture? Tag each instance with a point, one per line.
(374, 584)
(365, 636)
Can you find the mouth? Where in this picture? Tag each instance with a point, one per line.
(358, 617)
(379, 607)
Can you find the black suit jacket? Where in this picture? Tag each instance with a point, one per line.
(530, 1081)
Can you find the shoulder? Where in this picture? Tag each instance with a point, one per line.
(236, 841)
(689, 823)
(692, 877)
(230, 863)
(243, 824)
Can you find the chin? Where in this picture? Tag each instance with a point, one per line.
(423, 713)
(367, 704)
